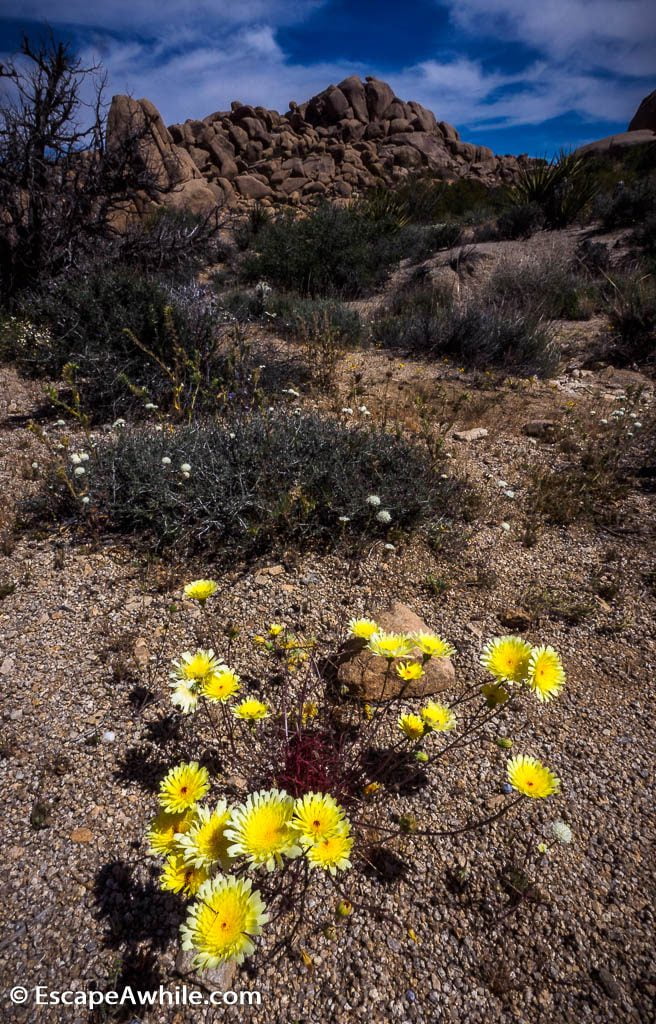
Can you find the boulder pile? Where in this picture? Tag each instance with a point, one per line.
(346, 139)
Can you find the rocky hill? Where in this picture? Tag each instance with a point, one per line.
(344, 140)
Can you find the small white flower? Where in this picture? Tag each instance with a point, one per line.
(150, 405)
(390, 547)
(166, 461)
(605, 422)
(345, 519)
(366, 413)
(85, 500)
(347, 411)
(637, 424)
(232, 436)
(79, 471)
(119, 422)
(384, 516)
(298, 412)
(373, 500)
(186, 476)
(633, 415)
(502, 483)
(75, 459)
(363, 409)
(35, 465)
(561, 832)
(60, 423)
(509, 494)
(84, 456)
(158, 426)
(505, 527)
(185, 468)
(291, 391)
(108, 736)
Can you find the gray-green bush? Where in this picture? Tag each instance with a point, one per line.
(258, 481)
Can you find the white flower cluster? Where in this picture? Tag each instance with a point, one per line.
(25, 335)
(76, 459)
(561, 832)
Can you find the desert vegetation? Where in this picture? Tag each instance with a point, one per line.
(326, 581)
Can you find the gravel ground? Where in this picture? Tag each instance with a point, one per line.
(84, 739)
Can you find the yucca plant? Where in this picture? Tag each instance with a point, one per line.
(562, 188)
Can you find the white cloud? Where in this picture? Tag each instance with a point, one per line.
(192, 57)
(611, 35)
(153, 16)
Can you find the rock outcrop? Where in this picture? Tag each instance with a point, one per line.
(623, 140)
(172, 170)
(346, 139)
(645, 116)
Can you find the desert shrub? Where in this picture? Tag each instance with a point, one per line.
(248, 229)
(632, 319)
(562, 188)
(254, 482)
(468, 200)
(645, 235)
(477, 335)
(294, 315)
(133, 340)
(246, 305)
(592, 258)
(419, 293)
(629, 204)
(418, 243)
(173, 242)
(550, 287)
(422, 200)
(596, 455)
(519, 221)
(331, 252)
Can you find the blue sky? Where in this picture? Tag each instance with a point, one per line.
(516, 75)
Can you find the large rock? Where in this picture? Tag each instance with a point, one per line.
(353, 90)
(170, 167)
(623, 140)
(379, 97)
(645, 115)
(250, 187)
(367, 675)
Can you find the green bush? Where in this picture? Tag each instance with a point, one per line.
(133, 341)
(645, 235)
(259, 481)
(550, 287)
(629, 205)
(632, 318)
(293, 315)
(520, 221)
(331, 252)
(417, 243)
(422, 200)
(477, 336)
